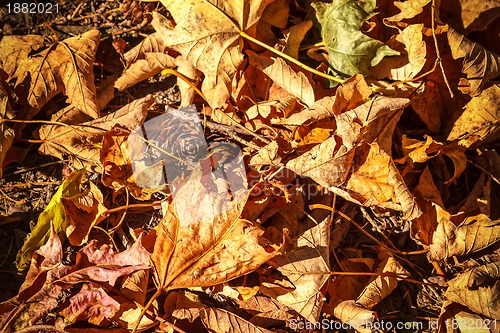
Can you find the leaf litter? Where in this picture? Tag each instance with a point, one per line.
(320, 162)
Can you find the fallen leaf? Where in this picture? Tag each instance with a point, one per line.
(479, 64)
(381, 286)
(208, 35)
(479, 121)
(349, 50)
(294, 37)
(295, 83)
(142, 69)
(54, 214)
(477, 289)
(219, 320)
(408, 10)
(351, 94)
(307, 268)
(62, 66)
(82, 141)
(210, 244)
(355, 315)
(82, 211)
(474, 234)
(48, 277)
(91, 304)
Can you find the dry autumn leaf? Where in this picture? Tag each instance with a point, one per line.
(208, 35)
(65, 66)
(480, 120)
(82, 141)
(307, 268)
(474, 234)
(48, 278)
(284, 76)
(479, 64)
(210, 244)
(478, 289)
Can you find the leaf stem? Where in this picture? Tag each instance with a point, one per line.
(287, 57)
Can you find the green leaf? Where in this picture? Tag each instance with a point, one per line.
(349, 50)
(53, 213)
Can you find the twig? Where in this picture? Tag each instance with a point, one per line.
(438, 55)
(293, 60)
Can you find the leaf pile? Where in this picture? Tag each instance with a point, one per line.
(339, 161)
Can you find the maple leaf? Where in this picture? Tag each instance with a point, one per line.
(48, 277)
(479, 121)
(477, 289)
(210, 244)
(307, 268)
(207, 34)
(65, 66)
(479, 64)
(349, 50)
(82, 141)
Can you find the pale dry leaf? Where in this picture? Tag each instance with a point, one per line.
(377, 182)
(405, 67)
(80, 141)
(142, 69)
(295, 83)
(219, 320)
(479, 64)
(15, 49)
(355, 315)
(478, 289)
(369, 119)
(207, 34)
(294, 37)
(152, 43)
(307, 267)
(266, 311)
(210, 244)
(477, 15)
(329, 163)
(474, 234)
(381, 286)
(351, 94)
(65, 66)
(480, 120)
(408, 10)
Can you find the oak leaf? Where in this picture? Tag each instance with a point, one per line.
(65, 66)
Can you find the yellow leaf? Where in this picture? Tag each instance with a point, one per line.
(54, 213)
